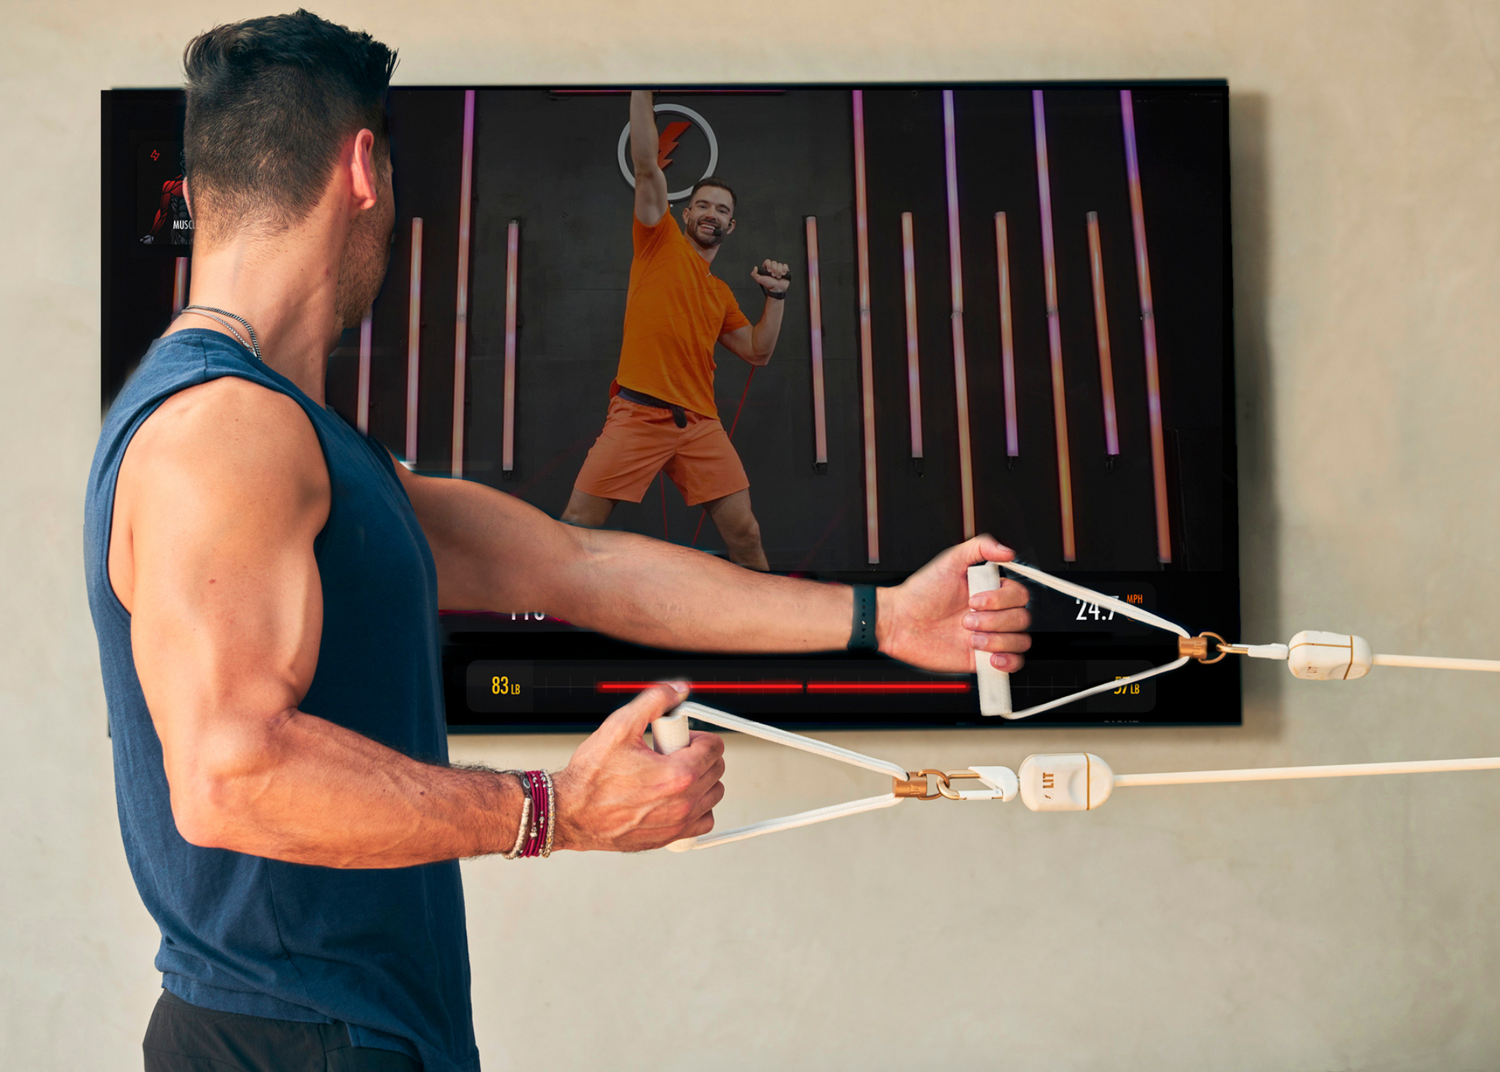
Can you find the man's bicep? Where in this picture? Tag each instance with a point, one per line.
(226, 602)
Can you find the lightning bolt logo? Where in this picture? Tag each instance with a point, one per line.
(668, 141)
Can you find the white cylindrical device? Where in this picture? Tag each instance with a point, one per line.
(1318, 656)
(1070, 781)
(994, 685)
(670, 732)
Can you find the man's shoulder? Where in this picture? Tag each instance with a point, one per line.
(231, 426)
(651, 239)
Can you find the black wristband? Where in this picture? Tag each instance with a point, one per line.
(774, 296)
(862, 635)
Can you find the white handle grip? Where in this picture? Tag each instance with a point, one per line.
(994, 685)
(668, 734)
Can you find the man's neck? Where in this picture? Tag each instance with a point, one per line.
(285, 287)
(708, 253)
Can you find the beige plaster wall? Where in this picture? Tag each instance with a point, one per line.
(1293, 926)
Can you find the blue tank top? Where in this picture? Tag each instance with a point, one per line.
(384, 951)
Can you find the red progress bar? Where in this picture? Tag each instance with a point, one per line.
(886, 686)
(705, 686)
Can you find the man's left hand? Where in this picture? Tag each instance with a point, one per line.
(772, 276)
(931, 621)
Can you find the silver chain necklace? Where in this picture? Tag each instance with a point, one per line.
(208, 310)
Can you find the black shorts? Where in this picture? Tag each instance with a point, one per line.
(185, 1038)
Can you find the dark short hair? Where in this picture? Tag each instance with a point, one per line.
(718, 184)
(270, 102)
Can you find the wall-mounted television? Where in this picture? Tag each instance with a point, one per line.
(1010, 312)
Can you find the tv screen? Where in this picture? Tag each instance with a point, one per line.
(1009, 312)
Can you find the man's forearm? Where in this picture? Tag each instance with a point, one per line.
(667, 596)
(643, 134)
(305, 790)
(765, 333)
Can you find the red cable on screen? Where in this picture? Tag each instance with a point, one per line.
(738, 410)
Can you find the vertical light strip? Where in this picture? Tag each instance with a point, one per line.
(413, 341)
(1101, 330)
(1148, 326)
(960, 362)
(362, 405)
(1007, 345)
(913, 364)
(508, 423)
(461, 317)
(815, 318)
(866, 349)
(1054, 332)
(179, 285)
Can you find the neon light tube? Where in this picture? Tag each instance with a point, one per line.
(179, 285)
(508, 429)
(960, 362)
(413, 341)
(1007, 346)
(1054, 333)
(461, 316)
(1101, 330)
(913, 366)
(866, 348)
(815, 317)
(1148, 327)
(362, 406)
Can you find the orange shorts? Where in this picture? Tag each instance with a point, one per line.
(640, 441)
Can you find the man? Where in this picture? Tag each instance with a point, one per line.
(662, 415)
(265, 584)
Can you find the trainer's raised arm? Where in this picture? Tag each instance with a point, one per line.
(650, 181)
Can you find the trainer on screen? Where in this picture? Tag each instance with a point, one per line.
(662, 416)
(265, 586)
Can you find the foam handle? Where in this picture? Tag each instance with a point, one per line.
(668, 734)
(994, 685)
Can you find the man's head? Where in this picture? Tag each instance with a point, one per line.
(708, 216)
(275, 106)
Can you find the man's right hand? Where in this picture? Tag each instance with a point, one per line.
(617, 794)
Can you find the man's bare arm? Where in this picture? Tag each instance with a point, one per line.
(650, 180)
(755, 343)
(495, 552)
(221, 495)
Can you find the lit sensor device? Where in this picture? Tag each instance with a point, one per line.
(994, 685)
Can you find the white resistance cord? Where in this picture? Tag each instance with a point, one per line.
(1076, 781)
(1311, 655)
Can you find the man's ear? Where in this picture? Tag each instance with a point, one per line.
(364, 182)
(730, 229)
(187, 196)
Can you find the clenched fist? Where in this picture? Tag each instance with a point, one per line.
(773, 277)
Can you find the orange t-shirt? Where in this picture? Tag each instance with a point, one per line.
(675, 311)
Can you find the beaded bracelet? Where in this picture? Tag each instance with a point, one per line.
(538, 815)
(525, 823)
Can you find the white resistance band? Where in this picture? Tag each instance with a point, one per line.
(1074, 781)
(1311, 655)
(1070, 781)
